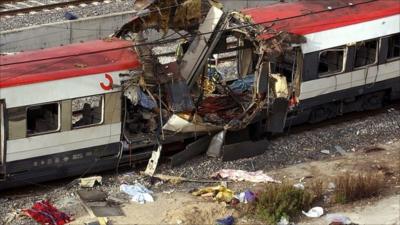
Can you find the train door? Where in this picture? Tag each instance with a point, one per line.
(2, 142)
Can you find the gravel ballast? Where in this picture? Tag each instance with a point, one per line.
(99, 8)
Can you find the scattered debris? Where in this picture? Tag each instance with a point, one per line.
(153, 161)
(314, 212)
(340, 150)
(283, 221)
(138, 193)
(218, 193)
(241, 175)
(299, 186)
(327, 152)
(246, 197)
(96, 204)
(89, 182)
(98, 221)
(337, 219)
(44, 212)
(214, 149)
(229, 220)
(70, 16)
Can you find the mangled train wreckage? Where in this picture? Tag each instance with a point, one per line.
(97, 105)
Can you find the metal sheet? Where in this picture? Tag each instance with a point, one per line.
(193, 149)
(214, 149)
(243, 150)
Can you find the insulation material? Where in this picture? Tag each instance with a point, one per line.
(177, 124)
(280, 87)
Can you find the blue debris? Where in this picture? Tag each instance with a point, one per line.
(242, 85)
(145, 101)
(70, 16)
(229, 220)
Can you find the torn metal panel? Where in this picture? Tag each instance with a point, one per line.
(153, 161)
(277, 116)
(193, 149)
(200, 48)
(262, 78)
(215, 147)
(245, 149)
(177, 124)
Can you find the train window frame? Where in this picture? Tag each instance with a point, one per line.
(387, 55)
(93, 124)
(44, 132)
(378, 47)
(338, 48)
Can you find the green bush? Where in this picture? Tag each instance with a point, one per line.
(282, 200)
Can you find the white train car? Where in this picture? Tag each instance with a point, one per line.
(351, 57)
(60, 110)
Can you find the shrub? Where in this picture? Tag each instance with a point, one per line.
(282, 200)
(351, 187)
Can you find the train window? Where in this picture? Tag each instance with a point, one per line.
(394, 46)
(366, 52)
(16, 123)
(87, 111)
(42, 118)
(331, 61)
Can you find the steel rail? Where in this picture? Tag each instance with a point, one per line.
(42, 7)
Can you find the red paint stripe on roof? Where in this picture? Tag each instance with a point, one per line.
(305, 17)
(67, 62)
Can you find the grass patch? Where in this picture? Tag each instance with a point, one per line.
(282, 200)
(351, 187)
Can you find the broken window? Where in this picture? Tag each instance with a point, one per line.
(331, 61)
(87, 111)
(394, 46)
(366, 53)
(284, 65)
(42, 118)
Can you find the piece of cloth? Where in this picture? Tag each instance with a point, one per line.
(229, 220)
(219, 193)
(89, 182)
(242, 85)
(46, 214)
(242, 175)
(246, 197)
(314, 212)
(337, 219)
(138, 193)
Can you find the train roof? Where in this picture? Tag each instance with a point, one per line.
(81, 59)
(311, 16)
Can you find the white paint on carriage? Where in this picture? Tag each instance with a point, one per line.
(351, 33)
(60, 142)
(57, 90)
(357, 78)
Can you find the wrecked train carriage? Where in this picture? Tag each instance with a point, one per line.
(310, 60)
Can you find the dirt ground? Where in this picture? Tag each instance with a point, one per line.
(179, 207)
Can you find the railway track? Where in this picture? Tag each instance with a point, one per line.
(11, 8)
